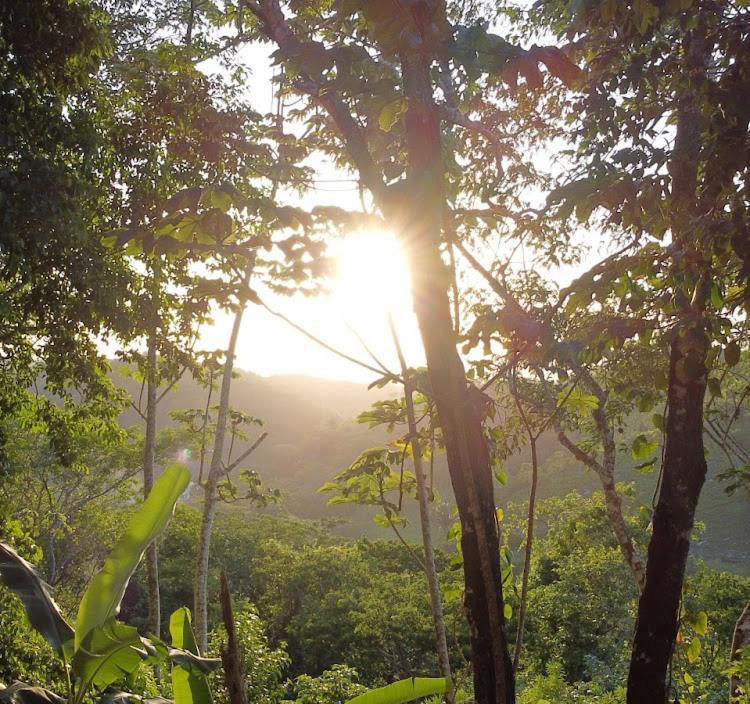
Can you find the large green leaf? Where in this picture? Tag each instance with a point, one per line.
(404, 691)
(41, 610)
(102, 599)
(189, 684)
(21, 693)
(109, 653)
(118, 697)
(191, 661)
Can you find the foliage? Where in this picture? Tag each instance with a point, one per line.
(265, 667)
(335, 686)
(101, 650)
(404, 691)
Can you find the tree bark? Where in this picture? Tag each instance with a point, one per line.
(210, 489)
(417, 221)
(684, 466)
(149, 462)
(430, 567)
(613, 504)
(527, 554)
(232, 657)
(683, 474)
(741, 639)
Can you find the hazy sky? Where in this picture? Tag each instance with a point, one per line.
(371, 278)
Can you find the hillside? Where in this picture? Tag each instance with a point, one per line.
(313, 433)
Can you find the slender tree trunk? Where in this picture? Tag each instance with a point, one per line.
(430, 567)
(683, 474)
(210, 489)
(613, 504)
(417, 219)
(684, 466)
(527, 555)
(232, 657)
(149, 461)
(741, 639)
(612, 499)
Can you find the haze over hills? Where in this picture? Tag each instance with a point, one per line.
(313, 434)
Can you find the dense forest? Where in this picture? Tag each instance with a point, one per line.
(539, 492)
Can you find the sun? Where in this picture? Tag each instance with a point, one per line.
(371, 276)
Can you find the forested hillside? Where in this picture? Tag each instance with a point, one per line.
(314, 434)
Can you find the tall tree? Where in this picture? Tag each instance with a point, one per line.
(57, 280)
(391, 135)
(683, 206)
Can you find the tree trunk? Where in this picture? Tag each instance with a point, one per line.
(149, 461)
(210, 489)
(527, 556)
(417, 220)
(684, 467)
(232, 656)
(430, 567)
(613, 503)
(740, 640)
(683, 474)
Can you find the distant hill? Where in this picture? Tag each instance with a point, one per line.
(313, 434)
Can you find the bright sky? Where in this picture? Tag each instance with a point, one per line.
(371, 279)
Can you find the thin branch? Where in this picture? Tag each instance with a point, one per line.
(328, 347)
(247, 452)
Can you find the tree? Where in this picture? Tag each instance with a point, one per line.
(688, 266)
(57, 281)
(327, 57)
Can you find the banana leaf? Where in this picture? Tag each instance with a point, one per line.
(101, 600)
(41, 610)
(109, 653)
(22, 693)
(404, 691)
(112, 696)
(194, 663)
(189, 684)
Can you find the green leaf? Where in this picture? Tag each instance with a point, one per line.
(694, 650)
(578, 400)
(732, 353)
(501, 476)
(717, 299)
(41, 610)
(700, 625)
(115, 697)
(404, 691)
(642, 447)
(109, 653)
(390, 113)
(189, 684)
(194, 663)
(507, 610)
(102, 598)
(22, 693)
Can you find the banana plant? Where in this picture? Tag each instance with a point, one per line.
(404, 691)
(102, 651)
